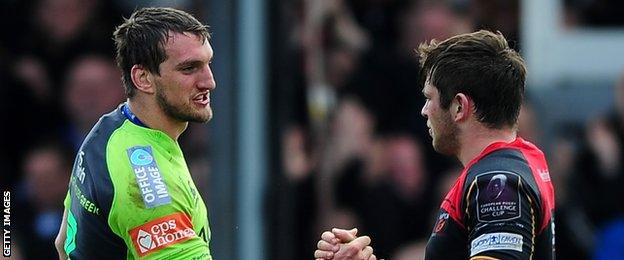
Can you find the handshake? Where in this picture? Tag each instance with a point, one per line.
(341, 244)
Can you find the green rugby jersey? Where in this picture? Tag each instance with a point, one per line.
(131, 196)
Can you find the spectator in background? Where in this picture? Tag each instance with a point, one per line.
(427, 20)
(598, 173)
(330, 44)
(527, 123)
(394, 178)
(353, 79)
(503, 16)
(58, 32)
(352, 153)
(379, 18)
(18, 122)
(39, 206)
(385, 80)
(92, 88)
(415, 249)
(575, 233)
(51, 34)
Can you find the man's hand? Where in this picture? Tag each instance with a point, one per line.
(343, 244)
(59, 242)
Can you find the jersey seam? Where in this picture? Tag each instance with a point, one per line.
(474, 182)
(532, 223)
(113, 203)
(483, 257)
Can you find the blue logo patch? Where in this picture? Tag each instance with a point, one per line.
(149, 180)
(141, 157)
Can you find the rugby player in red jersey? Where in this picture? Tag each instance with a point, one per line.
(502, 204)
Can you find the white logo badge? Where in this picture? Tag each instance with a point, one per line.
(80, 170)
(145, 241)
(496, 241)
(544, 174)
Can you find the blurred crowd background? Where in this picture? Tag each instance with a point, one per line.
(346, 144)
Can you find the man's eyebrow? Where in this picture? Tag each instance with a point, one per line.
(190, 62)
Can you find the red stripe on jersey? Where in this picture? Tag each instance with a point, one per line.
(539, 168)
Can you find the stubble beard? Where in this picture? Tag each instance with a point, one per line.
(447, 137)
(182, 114)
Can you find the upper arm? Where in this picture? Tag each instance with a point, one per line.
(87, 208)
(501, 216)
(502, 207)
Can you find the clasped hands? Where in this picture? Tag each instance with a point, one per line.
(341, 244)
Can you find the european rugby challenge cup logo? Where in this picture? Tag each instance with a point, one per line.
(496, 186)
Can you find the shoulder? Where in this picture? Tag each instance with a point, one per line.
(503, 164)
(502, 178)
(103, 129)
(90, 180)
(91, 157)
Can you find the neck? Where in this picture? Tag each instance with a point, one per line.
(474, 142)
(150, 113)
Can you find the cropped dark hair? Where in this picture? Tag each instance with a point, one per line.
(482, 66)
(141, 38)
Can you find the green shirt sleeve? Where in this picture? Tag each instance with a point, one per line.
(67, 201)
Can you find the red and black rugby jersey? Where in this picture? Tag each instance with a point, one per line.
(501, 206)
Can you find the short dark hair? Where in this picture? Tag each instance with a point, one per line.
(140, 39)
(482, 66)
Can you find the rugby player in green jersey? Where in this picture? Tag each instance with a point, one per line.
(131, 195)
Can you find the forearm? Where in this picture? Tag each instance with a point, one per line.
(60, 238)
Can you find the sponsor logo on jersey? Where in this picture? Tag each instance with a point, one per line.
(496, 241)
(86, 203)
(544, 174)
(162, 232)
(498, 196)
(80, 169)
(141, 157)
(439, 226)
(148, 177)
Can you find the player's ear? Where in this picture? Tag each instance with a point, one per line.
(142, 79)
(460, 107)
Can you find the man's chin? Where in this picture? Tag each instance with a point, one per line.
(202, 118)
(443, 149)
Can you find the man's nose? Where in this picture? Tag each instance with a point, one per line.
(207, 80)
